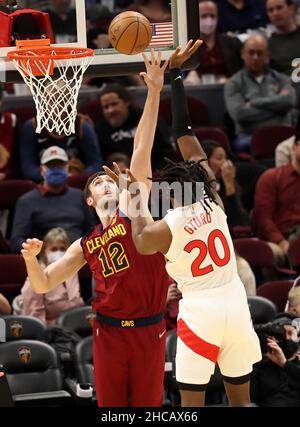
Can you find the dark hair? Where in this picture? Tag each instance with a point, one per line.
(188, 171)
(210, 145)
(120, 90)
(86, 191)
(165, 4)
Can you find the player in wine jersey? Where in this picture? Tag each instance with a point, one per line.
(129, 330)
(214, 323)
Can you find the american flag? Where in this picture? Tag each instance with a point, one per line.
(162, 34)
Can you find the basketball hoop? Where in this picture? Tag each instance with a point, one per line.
(54, 76)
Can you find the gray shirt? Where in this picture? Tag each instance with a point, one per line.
(36, 213)
(252, 104)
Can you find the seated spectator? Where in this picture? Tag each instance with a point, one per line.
(275, 381)
(82, 148)
(258, 96)
(277, 204)
(285, 40)
(225, 171)
(52, 204)
(117, 129)
(98, 20)
(63, 20)
(220, 54)
(283, 152)
(241, 15)
(48, 307)
(8, 143)
(5, 307)
(246, 275)
(294, 301)
(154, 10)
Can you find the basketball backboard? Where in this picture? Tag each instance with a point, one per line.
(107, 61)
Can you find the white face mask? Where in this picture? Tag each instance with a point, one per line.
(208, 25)
(53, 256)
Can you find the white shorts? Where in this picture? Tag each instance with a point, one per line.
(214, 325)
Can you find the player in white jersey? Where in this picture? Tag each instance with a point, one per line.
(214, 323)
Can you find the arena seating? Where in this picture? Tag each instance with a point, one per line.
(78, 320)
(262, 309)
(276, 291)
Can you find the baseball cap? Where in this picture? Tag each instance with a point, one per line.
(54, 153)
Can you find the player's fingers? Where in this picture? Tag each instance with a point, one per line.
(146, 60)
(132, 178)
(152, 56)
(188, 46)
(117, 170)
(158, 60)
(196, 46)
(111, 174)
(165, 65)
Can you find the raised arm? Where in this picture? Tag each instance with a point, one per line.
(57, 272)
(188, 143)
(143, 142)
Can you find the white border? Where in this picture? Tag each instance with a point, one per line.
(108, 56)
(81, 35)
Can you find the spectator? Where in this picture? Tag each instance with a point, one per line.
(98, 20)
(275, 381)
(241, 15)
(117, 129)
(8, 143)
(82, 148)
(225, 171)
(277, 204)
(283, 152)
(294, 301)
(284, 42)
(48, 307)
(246, 275)
(154, 10)
(52, 204)
(171, 312)
(63, 20)
(258, 96)
(5, 307)
(220, 54)
(121, 159)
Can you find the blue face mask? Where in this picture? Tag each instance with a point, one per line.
(56, 176)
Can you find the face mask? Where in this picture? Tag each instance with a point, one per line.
(53, 256)
(56, 176)
(208, 25)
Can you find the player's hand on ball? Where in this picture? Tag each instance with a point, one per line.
(180, 56)
(31, 248)
(154, 76)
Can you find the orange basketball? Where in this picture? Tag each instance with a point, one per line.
(130, 33)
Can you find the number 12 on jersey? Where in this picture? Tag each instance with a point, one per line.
(210, 248)
(115, 261)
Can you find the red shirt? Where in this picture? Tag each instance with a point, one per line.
(128, 285)
(277, 203)
(212, 61)
(7, 136)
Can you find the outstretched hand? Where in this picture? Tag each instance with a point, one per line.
(31, 248)
(123, 180)
(180, 56)
(154, 75)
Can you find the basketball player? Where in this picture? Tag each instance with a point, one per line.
(214, 323)
(129, 330)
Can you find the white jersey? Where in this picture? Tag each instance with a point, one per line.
(201, 255)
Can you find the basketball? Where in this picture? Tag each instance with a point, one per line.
(130, 33)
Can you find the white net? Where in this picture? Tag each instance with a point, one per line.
(56, 95)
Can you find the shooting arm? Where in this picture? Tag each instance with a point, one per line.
(56, 273)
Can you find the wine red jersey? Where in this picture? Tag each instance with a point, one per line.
(128, 285)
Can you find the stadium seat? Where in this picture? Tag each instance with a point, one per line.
(83, 361)
(33, 374)
(78, 320)
(259, 255)
(213, 133)
(265, 140)
(77, 181)
(11, 190)
(262, 309)
(276, 291)
(24, 113)
(91, 108)
(13, 274)
(24, 327)
(198, 111)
